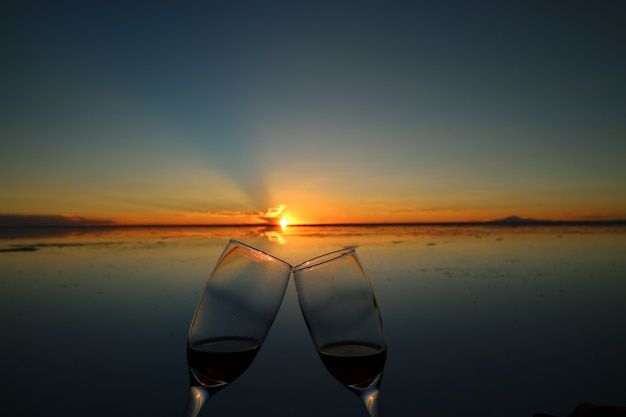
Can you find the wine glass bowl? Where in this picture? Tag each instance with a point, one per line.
(236, 310)
(341, 313)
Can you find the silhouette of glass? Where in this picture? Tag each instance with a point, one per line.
(235, 312)
(341, 313)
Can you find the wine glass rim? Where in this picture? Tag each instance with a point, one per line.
(324, 259)
(252, 248)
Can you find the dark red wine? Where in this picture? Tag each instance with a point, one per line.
(217, 362)
(354, 364)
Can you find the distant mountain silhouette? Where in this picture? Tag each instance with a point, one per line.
(517, 220)
(36, 220)
(520, 221)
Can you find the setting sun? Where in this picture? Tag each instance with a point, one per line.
(284, 222)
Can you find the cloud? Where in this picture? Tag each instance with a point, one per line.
(49, 220)
(272, 215)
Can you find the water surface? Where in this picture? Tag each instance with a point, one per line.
(485, 321)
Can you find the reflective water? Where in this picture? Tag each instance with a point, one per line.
(489, 321)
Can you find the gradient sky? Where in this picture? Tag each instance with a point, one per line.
(208, 112)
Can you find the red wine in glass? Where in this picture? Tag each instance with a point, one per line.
(215, 363)
(354, 364)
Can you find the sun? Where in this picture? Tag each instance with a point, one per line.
(283, 223)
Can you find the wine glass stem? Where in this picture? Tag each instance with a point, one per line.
(371, 400)
(197, 397)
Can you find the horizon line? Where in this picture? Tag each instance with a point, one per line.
(500, 222)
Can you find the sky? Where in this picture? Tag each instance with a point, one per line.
(322, 112)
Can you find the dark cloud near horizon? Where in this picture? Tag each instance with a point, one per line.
(50, 220)
(271, 216)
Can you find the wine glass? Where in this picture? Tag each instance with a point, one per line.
(234, 314)
(341, 313)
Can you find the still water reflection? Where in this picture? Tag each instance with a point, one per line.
(489, 321)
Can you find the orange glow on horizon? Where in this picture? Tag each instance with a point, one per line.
(322, 218)
(332, 212)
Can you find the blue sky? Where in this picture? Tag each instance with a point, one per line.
(365, 111)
